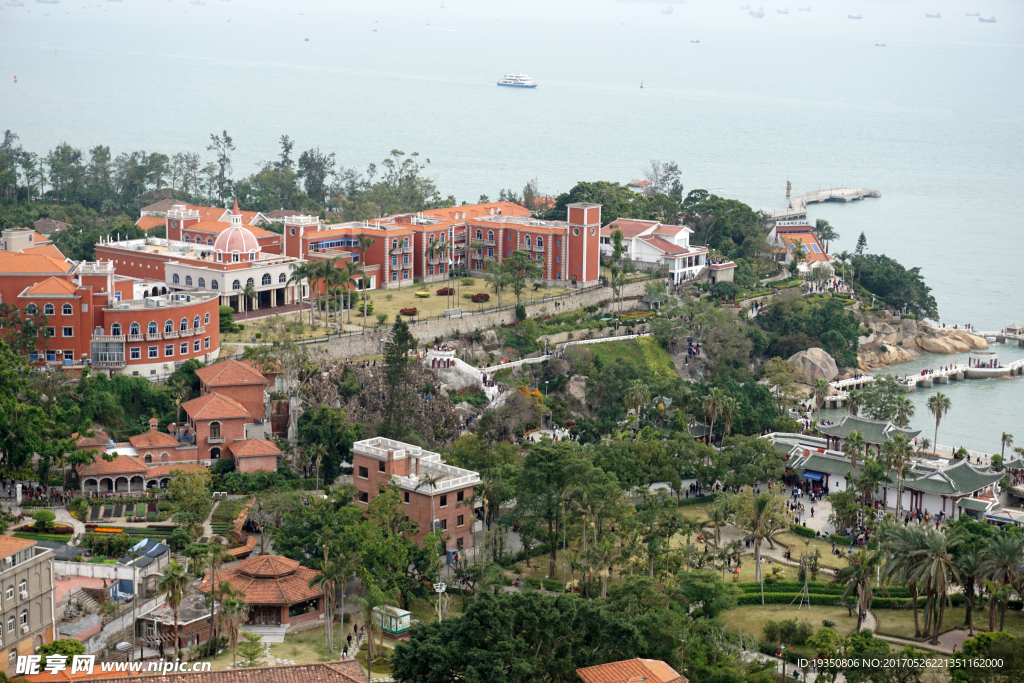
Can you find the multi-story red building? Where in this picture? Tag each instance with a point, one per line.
(445, 505)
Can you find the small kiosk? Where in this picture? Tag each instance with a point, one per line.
(393, 622)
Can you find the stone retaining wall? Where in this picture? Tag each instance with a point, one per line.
(358, 345)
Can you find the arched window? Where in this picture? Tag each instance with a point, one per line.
(175, 279)
(168, 326)
(236, 285)
(214, 284)
(115, 330)
(188, 239)
(214, 430)
(67, 309)
(149, 459)
(183, 325)
(282, 278)
(252, 255)
(405, 242)
(206, 319)
(490, 235)
(394, 244)
(32, 309)
(214, 453)
(195, 321)
(152, 328)
(48, 309)
(134, 329)
(236, 258)
(188, 280)
(431, 238)
(202, 283)
(249, 282)
(540, 241)
(479, 234)
(209, 241)
(266, 278)
(527, 240)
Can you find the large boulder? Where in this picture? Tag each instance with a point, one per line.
(577, 387)
(489, 340)
(815, 363)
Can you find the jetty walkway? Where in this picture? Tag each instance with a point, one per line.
(798, 202)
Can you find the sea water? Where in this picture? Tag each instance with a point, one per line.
(932, 120)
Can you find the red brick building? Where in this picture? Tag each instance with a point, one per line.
(276, 589)
(215, 422)
(255, 455)
(240, 381)
(447, 505)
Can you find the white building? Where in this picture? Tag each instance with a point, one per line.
(653, 243)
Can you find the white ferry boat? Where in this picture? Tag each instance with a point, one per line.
(759, 14)
(517, 81)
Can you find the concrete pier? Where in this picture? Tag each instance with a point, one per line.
(798, 203)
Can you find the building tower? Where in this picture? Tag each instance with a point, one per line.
(584, 242)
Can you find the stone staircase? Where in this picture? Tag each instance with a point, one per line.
(88, 603)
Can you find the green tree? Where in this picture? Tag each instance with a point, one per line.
(862, 245)
(222, 146)
(328, 427)
(708, 592)
(174, 584)
(938, 405)
(825, 232)
(760, 515)
(230, 619)
(396, 379)
(1004, 652)
(853, 446)
(69, 647)
(1004, 556)
(857, 578)
(518, 268)
(252, 649)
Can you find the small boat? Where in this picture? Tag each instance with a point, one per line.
(759, 14)
(48, 2)
(804, 9)
(641, 85)
(879, 44)
(987, 21)
(695, 42)
(15, 79)
(306, 40)
(667, 9)
(937, 15)
(517, 81)
(990, 339)
(854, 16)
(783, 11)
(973, 14)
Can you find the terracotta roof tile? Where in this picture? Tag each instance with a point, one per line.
(10, 545)
(326, 672)
(47, 226)
(167, 470)
(150, 222)
(99, 438)
(50, 250)
(268, 580)
(229, 373)
(253, 447)
(630, 227)
(122, 464)
(663, 245)
(50, 286)
(153, 439)
(631, 670)
(214, 406)
(217, 227)
(477, 211)
(16, 263)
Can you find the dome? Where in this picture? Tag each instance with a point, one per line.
(236, 238)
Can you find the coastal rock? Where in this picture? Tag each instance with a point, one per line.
(892, 355)
(489, 340)
(815, 364)
(577, 387)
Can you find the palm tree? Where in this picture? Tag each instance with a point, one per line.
(174, 585)
(873, 472)
(969, 568)
(354, 275)
(637, 395)
(730, 411)
(301, 270)
(232, 616)
(376, 603)
(904, 411)
(214, 558)
(718, 516)
(606, 556)
(820, 390)
(712, 405)
(632, 548)
(1005, 440)
(756, 523)
(936, 570)
(853, 401)
(853, 446)
(247, 295)
(325, 581)
(904, 544)
(924, 444)
(364, 245)
(825, 232)
(938, 405)
(857, 579)
(897, 452)
(1004, 556)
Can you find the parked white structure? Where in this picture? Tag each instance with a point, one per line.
(655, 243)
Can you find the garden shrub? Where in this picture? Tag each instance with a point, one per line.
(481, 297)
(445, 291)
(409, 311)
(422, 295)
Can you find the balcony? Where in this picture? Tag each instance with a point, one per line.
(215, 439)
(537, 247)
(436, 259)
(108, 338)
(406, 250)
(200, 330)
(134, 337)
(108, 364)
(173, 334)
(153, 336)
(187, 332)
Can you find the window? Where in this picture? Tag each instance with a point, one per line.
(236, 285)
(215, 430)
(444, 501)
(214, 285)
(460, 520)
(381, 467)
(430, 270)
(209, 241)
(188, 239)
(394, 261)
(24, 617)
(394, 277)
(132, 329)
(10, 596)
(292, 232)
(249, 282)
(406, 496)
(405, 242)
(235, 258)
(405, 274)
(576, 232)
(183, 325)
(48, 309)
(115, 329)
(364, 473)
(184, 348)
(527, 240)
(444, 524)
(168, 326)
(364, 497)
(490, 251)
(169, 350)
(282, 278)
(394, 244)
(252, 255)
(195, 321)
(175, 279)
(206, 319)
(266, 279)
(66, 309)
(206, 343)
(136, 353)
(202, 283)
(405, 260)
(153, 352)
(815, 248)
(152, 328)
(13, 654)
(195, 346)
(32, 309)
(50, 332)
(460, 496)
(490, 234)
(149, 459)
(540, 241)
(188, 280)
(479, 234)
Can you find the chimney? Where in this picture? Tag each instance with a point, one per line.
(153, 422)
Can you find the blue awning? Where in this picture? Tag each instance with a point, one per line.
(813, 476)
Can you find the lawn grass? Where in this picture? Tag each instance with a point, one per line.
(379, 667)
(58, 538)
(307, 647)
(647, 351)
(752, 618)
(274, 327)
(828, 560)
(899, 623)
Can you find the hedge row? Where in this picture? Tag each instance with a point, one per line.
(791, 587)
(683, 502)
(802, 531)
(840, 540)
(548, 584)
(513, 558)
(786, 598)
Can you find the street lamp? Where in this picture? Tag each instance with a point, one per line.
(545, 388)
(439, 588)
(382, 352)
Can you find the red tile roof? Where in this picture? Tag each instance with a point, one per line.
(268, 580)
(10, 545)
(169, 469)
(806, 239)
(327, 672)
(217, 227)
(17, 263)
(51, 286)
(230, 373)
(154, 439)
(122, 464)
(454, 213)
(253, 447)
(630, 227)
(213, 407)
(99, 439)
(663, 245)
(150, 222)
(631, 670)
(50, 250)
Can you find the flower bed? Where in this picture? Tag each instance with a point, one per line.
(409, 311)
(445, 291)
(55, 529)
(481, 297)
